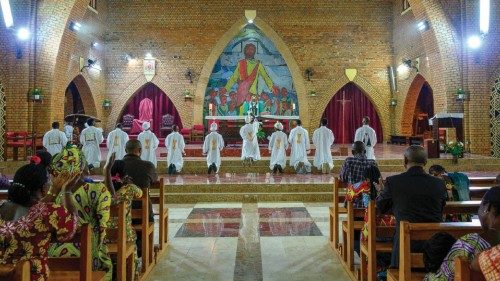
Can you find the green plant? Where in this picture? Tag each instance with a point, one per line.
(106, 102)
(36, 92)
(455, 148)
(261, 134)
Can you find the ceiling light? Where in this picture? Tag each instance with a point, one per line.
(402, 68)
(484, 16)
(23, 34)
(7, 13)
(423, 25)
(75, 26)
(250, 21)
(474, 42)
(95, 44)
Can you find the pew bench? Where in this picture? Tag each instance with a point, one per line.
(118, 246)
(159, 188)
(15, 272)
(482, 181)
(335, 211)
(144, 230)
(463, 271)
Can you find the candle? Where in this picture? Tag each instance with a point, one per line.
(210, 106)
(293, 106)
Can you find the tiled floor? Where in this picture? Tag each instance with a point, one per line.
(249, 241)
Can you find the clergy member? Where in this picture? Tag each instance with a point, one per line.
(54, 140)
(278, 144)
(323, 140)
(149, 144)
(175, 150)
(299, 139)
(250, 148)
(116, 142)
(212, 147)
(368, 136)
(90, 138)
(68, 131)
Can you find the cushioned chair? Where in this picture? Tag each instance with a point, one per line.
(127, 121)
(186, 133)
(167, 121)
(198, 132)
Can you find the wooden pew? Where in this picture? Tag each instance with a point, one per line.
(159, 187)
(4, 195)
(355, 221)
(369, 249)
(423, 231)
(482, 181)
(117, 244)
(146, 231)
(15, 272)
(73, 269)
(335, 212)
(477, 192)
(463, 271)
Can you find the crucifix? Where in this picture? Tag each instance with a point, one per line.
(343, 101)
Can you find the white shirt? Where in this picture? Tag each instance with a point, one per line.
(149, 143)
(213, 145)
(116, 143)
(368, 136)
(175, 148)
(90, 138)
(54, 141)
(323, 140)
(278, 144)
(299, 140)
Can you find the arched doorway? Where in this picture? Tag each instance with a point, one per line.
(346, 110)
(159, 106)
(495, 118)
(418, 109)
(73, 103)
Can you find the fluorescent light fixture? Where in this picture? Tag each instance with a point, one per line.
(23, 34)
(484, 16)
(7, 13)
(474, 42)
(423, 25)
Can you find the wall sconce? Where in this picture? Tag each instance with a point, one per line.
(423, 25)
(190, 75)
(393, 102)
(90, 63)
(408, 64)
(309, 73)
(461, 95)
(75, 26)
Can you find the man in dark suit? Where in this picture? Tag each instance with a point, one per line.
(412, 196)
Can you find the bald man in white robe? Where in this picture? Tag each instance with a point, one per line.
(149, 143)
(213, 145)
(368, 136)
(323, 140)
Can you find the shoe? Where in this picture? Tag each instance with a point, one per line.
(214, 168)
(174, 169)
(169, 169)
(209, 169)
(275, 169)
(280, 169)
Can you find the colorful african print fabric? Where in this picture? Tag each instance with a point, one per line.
(126, 194)
(70, 159)
(489, 262)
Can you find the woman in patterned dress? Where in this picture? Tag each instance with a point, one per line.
(470, 245)
(93, 200)
(30, 220)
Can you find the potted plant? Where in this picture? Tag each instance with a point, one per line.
(456, 149)
(460, 94)
(36, 94)
(106, 103)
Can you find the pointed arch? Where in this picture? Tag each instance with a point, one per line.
(268, 31)
(85, 94)
(411, 103)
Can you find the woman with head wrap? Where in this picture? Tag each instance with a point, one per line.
(278, 144)
(212, 147)
(149, 143)
(93, 202)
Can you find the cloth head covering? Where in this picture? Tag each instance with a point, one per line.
(146, 126)
(213, 127)
(248, 119)
(70, 159)
(278, 126)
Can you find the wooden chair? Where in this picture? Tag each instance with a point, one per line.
(422, 231)
(159, 187)
(73, 269)
(463, 271)
(15, 272)
(118, 246)
(127, 121)
(17, 140)
(167, 122)
(355, 221)
(335, 212)
(146, 231)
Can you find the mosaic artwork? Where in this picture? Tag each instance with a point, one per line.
(495, 119)
(250, 75)
(2, 121)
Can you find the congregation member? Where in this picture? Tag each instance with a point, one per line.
(149, 143)
(54, 140)
(278, 144)
(30, 219)
(488, 262)
(212, 146)
(68, 131)
(412, 196)
(90, 138)
(250, 151)
(45, 158)
(323, 140)
(175, 150)
(367, 135)
(300, 147)
(470, 245)
(116, 142)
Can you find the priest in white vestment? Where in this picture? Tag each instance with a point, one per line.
(90, 138)
(116, 142)
(299, 140)
(250, 148)
(213, 145)
(175, 150)
(68, 131)
(367, 135)
(323, 140)
(149, 144)
(278, 144)
(54, 140)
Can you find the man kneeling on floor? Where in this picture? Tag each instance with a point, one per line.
(175, 150)
(212, 147)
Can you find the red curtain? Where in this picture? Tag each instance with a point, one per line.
(346, 110)
(161, 105)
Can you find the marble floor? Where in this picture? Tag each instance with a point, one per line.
(249, 241)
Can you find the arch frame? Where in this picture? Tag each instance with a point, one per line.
(85, 95)
(411, 103)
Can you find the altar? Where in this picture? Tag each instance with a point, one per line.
(229, 126)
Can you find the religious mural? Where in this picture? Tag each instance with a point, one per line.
(250, 76)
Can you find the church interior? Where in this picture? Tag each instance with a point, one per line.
(424, 73)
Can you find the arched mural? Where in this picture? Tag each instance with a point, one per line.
(250, 75)
(495, 118)
(2, 121)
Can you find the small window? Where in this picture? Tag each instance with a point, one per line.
(406, 5)
(93, 4)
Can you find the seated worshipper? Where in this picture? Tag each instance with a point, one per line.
(92, 201)
(90, 138)
(412, 196)
(468, 246)
(278, 144)
(175, 150)
(457, 188)
(368, 136)
(45, 158)
(149, 143)
(488, 262)
(323, 140)
(299, 140)
(68, 131)
(250, 148)
(436, 249)
(212, 146)
(116, 142)
(30, 220)
(54, 140)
